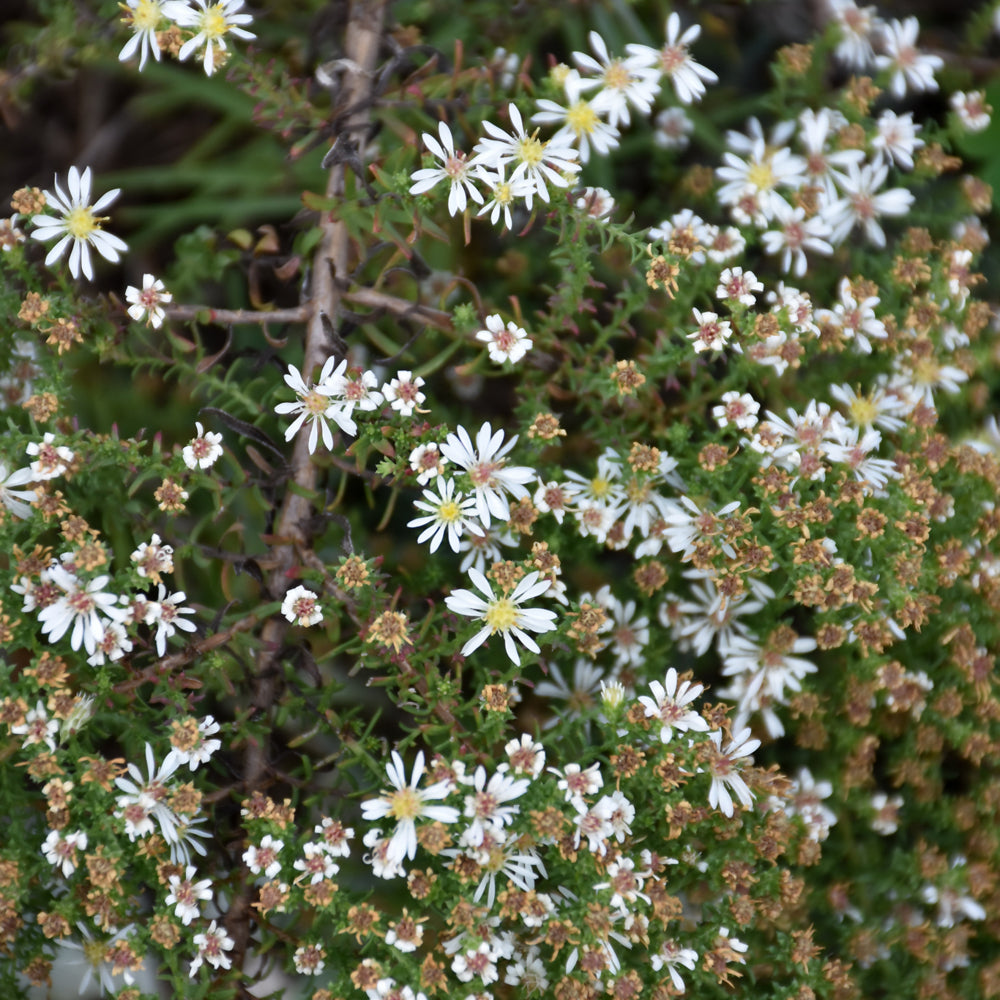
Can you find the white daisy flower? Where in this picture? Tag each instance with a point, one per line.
(302, 606)
(553, 161)
(581, 120)
(503, 192)
(506, 343)
(632, 80)
(315, 405)
(82, 605)
(203, 450)
(147, 302)
(669, 704)
(211, 23)
(448, 514)
(486, 465)
(687, 76)
(910, 68)
(407, 803)
(185, 894)
(143, 17)
(503, 614)
(403, 393)
(723, 768)
(80, 225)
(215, 942)
(455, 168)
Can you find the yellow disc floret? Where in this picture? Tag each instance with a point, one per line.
(501, 615)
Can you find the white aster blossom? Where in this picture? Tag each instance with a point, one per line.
(669, 704)
(503, 613)
(262, 858)
(675, 62)
(406, 803)
(910, 68)
(486, 465)
(301, 606)
(316, 406)
(143, 17)
(723, 768)
(455, 168)
(580, 120)
(623, 82)
(504, 192)
(147, 302)
(972, 110)
(403, 393)
(211, 22)
(550, 162)
(672, 128)
(506, 343)
(186, 894)
(203, 450)
(60, 850)
(79, 225)
(212, 945)
(448, 514)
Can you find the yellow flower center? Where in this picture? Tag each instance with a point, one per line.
(213, 22)
(146, 15)
(530, 150)
(449, 512)
(315, 403)
(502, 194)
(405, 804)
(501, 615)
(80, 223)
(93, 952)
(761, 176)
(599, 488)
(863, 411)
(617, 77)
(582, 118)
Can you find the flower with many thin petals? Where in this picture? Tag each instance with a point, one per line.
(723, 768)
(669, 704)
(403, 393)
(506, 343)
(910, 68)
(486, 465)
(581, 120)
(448, 514)
(316, 405)
(553, 161)
(212, 947)
(185, 894)
(864, 203)
(80, 225)
(143, 17)
(455, 168)
(147, 302)
(675, 61)
(211, 23)
(503, 613)
(623, 81)
(203, 450)
(405, 804)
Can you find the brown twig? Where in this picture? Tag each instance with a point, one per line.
(330, 266)
(226, 316)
